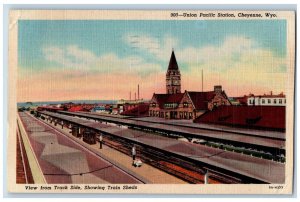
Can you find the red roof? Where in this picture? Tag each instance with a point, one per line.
(242, 100)
(200, 99)
(75, 108)
(168, 98)
(140, 110)
(258, 117)
(51, 108)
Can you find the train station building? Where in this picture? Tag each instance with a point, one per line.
(187, 105)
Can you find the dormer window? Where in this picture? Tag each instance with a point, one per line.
(170, 105)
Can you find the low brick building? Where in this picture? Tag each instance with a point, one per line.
(187, 105)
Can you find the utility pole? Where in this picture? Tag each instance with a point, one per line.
(202, 80)
(138, 91)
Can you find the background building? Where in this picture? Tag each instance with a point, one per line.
(267, 100)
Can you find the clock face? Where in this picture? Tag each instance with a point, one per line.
(176, 82)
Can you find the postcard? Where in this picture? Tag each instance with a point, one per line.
(151, 101)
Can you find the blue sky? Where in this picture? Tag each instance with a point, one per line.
(102, 37)
(144, 47)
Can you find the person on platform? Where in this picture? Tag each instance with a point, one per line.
(101, 140)
(133, 151)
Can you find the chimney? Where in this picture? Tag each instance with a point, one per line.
(271, 92)
(218, 89)
(134, 96)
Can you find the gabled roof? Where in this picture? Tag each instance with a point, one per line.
(200, 99)
(257, 117)
(168, 98)
(173, 62)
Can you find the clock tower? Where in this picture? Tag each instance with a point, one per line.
(173, 77)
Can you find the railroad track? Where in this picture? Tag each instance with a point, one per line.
(224, 175)
(271, 146)
(112, 164)
(23, 172)
(172, 165)
(121, 120)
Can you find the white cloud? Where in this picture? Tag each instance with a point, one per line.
(239, 63)
(218, 56)
(159, 48)
(69, 57)
(84, 60)
(235, 51)
(81, 54)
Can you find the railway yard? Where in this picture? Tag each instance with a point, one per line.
(66, 148)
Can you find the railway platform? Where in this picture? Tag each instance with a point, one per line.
(231, 163)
